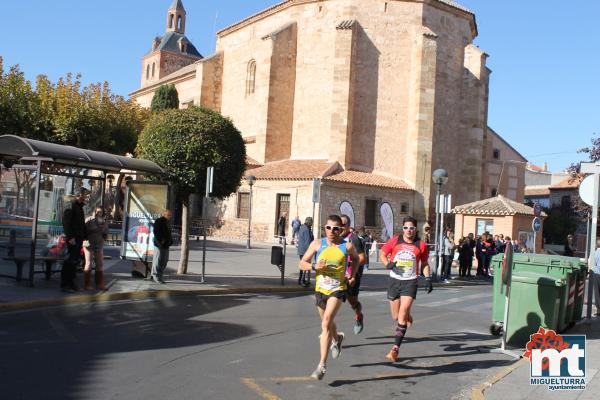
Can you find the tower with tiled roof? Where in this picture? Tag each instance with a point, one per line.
(170, 52)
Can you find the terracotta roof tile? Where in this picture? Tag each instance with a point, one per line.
(251, 162)
(498, 206)
(368, 179)
(538, 190)
(567, 183)
(295, 170)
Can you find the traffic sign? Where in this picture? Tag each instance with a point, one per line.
(586, 190)
(537, 224)
(537, 209)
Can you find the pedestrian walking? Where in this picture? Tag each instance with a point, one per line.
(295, 229)
(331, 285)
(74, 227)
(405, 256)
(305, 238)
(354, 289)
(163, 239)
(96, 228)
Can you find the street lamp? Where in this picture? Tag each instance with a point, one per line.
(250, 180)
(439, 177)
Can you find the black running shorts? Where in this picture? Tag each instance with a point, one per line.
(400, 288)
(321, 298)
(354, 290)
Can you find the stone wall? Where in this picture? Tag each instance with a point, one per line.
(282, 83)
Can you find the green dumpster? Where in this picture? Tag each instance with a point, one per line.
(535, 300)
(566, 268)
(498, 295)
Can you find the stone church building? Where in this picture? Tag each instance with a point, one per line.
(367, 97)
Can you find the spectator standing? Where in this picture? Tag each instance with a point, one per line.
(569, 247)
(479, 253)
(305, 238)
(281, 224)
(96, 228)
(163, 239)
(448, 253)
(465, 257)
(74, 227)
(295, 229)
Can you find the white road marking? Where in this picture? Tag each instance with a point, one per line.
(454, 300)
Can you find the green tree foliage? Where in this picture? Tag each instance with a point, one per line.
(561, 221)
(165, 98)
(19, 108)
(185, 143)
(90, 117)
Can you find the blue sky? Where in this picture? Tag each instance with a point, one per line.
(545, 56)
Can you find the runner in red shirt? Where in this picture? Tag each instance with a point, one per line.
(405, 257)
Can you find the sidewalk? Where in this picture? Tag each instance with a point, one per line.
(515, 385)
(230, 268)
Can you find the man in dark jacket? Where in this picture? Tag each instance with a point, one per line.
(305, 238)
(74, 227)
(162, 241)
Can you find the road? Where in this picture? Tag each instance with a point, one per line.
(245, 347)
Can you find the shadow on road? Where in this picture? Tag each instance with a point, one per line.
(62, 349)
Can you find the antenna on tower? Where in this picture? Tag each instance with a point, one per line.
(215, 30)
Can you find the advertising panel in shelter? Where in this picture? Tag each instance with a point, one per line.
(144, 203)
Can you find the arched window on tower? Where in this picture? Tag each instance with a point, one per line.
(179, 22)
(251, 77)
(153, 67)
(171, 19)
(148, 71)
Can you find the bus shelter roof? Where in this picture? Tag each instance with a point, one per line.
(30, 149)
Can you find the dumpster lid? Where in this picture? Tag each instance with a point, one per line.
(547, 260)
(534, 278)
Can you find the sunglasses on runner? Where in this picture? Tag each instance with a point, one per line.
(334, 229)
(409, 228)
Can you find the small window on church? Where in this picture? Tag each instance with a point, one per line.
(148, 71)
(251, 78)
(179, 23)
(496, 154)
(153, 67)
(171, 19)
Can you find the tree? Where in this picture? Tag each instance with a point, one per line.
(186, 142)
(164, 98)
(90, 117)
(19, 111)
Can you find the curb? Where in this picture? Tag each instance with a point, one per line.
(478, 391)
(106, 297)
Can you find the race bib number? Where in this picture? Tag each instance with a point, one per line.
(405, 264)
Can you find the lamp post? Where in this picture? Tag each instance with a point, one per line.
(439, 177)
(250, 180)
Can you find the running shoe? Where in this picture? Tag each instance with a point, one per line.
(336, 347)
(318, 373)
(393, 354)
(358, 324)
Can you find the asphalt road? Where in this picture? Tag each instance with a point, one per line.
(245, 347)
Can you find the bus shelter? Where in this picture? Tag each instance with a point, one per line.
(38, 180)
